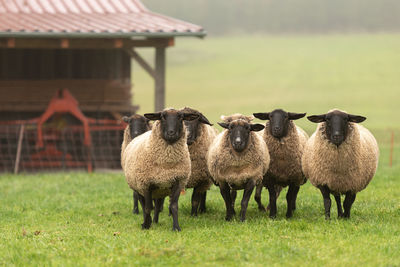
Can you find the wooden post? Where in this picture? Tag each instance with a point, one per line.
(18, 157)
(391, 150)
(159, 80)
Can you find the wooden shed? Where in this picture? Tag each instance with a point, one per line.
(84, 46)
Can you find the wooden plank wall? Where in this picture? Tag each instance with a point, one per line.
(98, 79)
(50, 64)
(92, 95)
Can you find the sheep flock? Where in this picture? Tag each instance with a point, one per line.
(182, 149)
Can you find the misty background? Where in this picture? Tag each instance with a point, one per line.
(284, 16)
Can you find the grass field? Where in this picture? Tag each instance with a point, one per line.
(86, 220)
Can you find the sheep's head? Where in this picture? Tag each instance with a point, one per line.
(171, 122)
(239, 132)
(336, 124)
(137, 124)
(279, 121)
(192, 127)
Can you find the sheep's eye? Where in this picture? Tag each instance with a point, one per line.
(230, 126)
(247, 127)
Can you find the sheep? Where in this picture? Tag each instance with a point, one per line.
(157, 163)
(341, 157)
(237, 159)
(136, 125)
(286, 143)
(200, 135)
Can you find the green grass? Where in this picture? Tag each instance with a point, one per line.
(86, 220)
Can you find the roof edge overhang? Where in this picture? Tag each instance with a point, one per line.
(200, 34)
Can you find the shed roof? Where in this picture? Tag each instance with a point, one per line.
(88, 18)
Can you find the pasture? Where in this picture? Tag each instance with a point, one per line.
(85, 219)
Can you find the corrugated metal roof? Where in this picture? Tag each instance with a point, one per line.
(96, 18)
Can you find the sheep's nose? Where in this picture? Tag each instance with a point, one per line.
(237, 141)
(336, 137)
(277, 128)
(170, 132)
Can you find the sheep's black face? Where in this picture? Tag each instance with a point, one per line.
(336, 125)
(192, 127)
(239, 133)
(171, 122)
(279, 121)
(137, 125)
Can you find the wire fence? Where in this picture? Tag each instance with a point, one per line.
(62, 149)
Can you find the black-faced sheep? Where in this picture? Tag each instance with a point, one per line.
(341, 157)
(200, 135)
(157, 163)
(237, 159)
(286, 143)
(136, 125)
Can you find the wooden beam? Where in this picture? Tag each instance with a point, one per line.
(160, 79)
(141, 62)
(81, 43)
(11, 42)
(64, 43)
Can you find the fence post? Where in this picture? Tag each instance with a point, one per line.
(18, 157)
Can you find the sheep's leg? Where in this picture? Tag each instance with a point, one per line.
(278, 190)
(226, 195)
(173, 206)
(158, 204)
(327, 201)
(291, 199)
(257, 197)
(233, 199)
(246, 196)
(148, 206)
(272, 200)
(295, 192)
(202, 207)
(196, 198)
(339, 205)
(135, 203)
(162, 204)
(348, 201)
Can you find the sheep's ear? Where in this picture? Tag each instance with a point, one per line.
(296, 116)
(356, 118)
(153, 116)
(223, 125)
(204, 120)
(190, 116)
(317, 118)
(125, 119)
(262, 115)
(256, 127)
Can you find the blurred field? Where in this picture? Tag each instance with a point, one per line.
(311, 73)
(85, 220)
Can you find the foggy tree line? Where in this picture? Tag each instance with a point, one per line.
(284, 16)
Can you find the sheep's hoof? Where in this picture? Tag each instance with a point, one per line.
(145, 226)
(135, 211)
(202, 210)
(193, 213)
(289, 215)
(176, 228)
(327, 218)
(272, 216)
(262, 208)
(228, 218)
